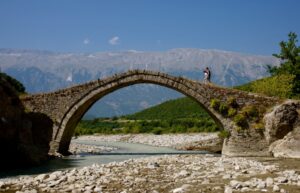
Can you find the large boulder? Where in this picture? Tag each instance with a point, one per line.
(283, 130)
(24, 137)
(281, 120)
(289, 146)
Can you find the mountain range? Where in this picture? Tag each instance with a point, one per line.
(44, 71)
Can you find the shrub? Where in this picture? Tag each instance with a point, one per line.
(215, 104)
(280, 85)
(259, 126)
(14, 82)
(224, 134)
(250, 111)
(231, 102)
(157, 131)
(223, 109)
(238, 129)
(231, 112)
(240, 120)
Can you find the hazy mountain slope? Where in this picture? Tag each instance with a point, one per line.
(43, 71)
(172, 109)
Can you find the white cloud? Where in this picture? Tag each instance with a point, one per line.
(114, 40)
(86, 41)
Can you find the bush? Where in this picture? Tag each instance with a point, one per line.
(224, 134)
(14, 82)
(250, 111)
(240, 120)
(215, 104)
(223, 109)
(231, 102)
(157, 131)
(238, 129)
(259, 126)
(232, 112)
(280, 86)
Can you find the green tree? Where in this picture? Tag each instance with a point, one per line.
(14, 82)
(290, 56)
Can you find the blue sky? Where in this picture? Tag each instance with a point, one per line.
(248, 26)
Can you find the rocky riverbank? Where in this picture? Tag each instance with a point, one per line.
(196, 141)
(175, 174)
(77, 148)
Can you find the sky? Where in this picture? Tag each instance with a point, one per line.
(246, 26)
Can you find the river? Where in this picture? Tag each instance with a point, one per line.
(124, 151)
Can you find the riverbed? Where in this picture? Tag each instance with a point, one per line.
(142, 168)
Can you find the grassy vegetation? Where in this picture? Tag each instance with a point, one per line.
(175, 116)
(279, 86)
(172, 109)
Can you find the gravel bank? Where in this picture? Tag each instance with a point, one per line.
(175, 174)
(165, 140)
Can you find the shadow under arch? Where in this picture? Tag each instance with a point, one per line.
(75, 113)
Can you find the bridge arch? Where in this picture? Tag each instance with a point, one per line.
(74, 114)
(66, 107)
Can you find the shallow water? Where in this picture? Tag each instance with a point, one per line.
(125, 151)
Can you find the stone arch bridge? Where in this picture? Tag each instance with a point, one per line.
(66, 107)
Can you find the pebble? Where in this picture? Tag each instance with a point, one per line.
(153, 165)
(269, 182)
(41, 177)
(182, 173)
(228, 189)
(276, 188)
(261, 184)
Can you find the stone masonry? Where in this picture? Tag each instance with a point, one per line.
(67, 106)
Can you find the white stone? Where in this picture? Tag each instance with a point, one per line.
(31, 191)
(269, 182)
(227, 176)
(97, 189)
(235, 184)
(282, 190)
(276, 188)
(152, 165)
(178, 190)
(237, 167)
(245, 189)
(1, 184)
(228, 189)
(41, 177)
(182, 173)
(53, 183)
(261, 184)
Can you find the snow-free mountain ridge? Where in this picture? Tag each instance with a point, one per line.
(43, 71)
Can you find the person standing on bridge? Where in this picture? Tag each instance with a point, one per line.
(207, 75)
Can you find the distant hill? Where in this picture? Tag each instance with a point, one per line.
(172, 109)
(181, 115)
